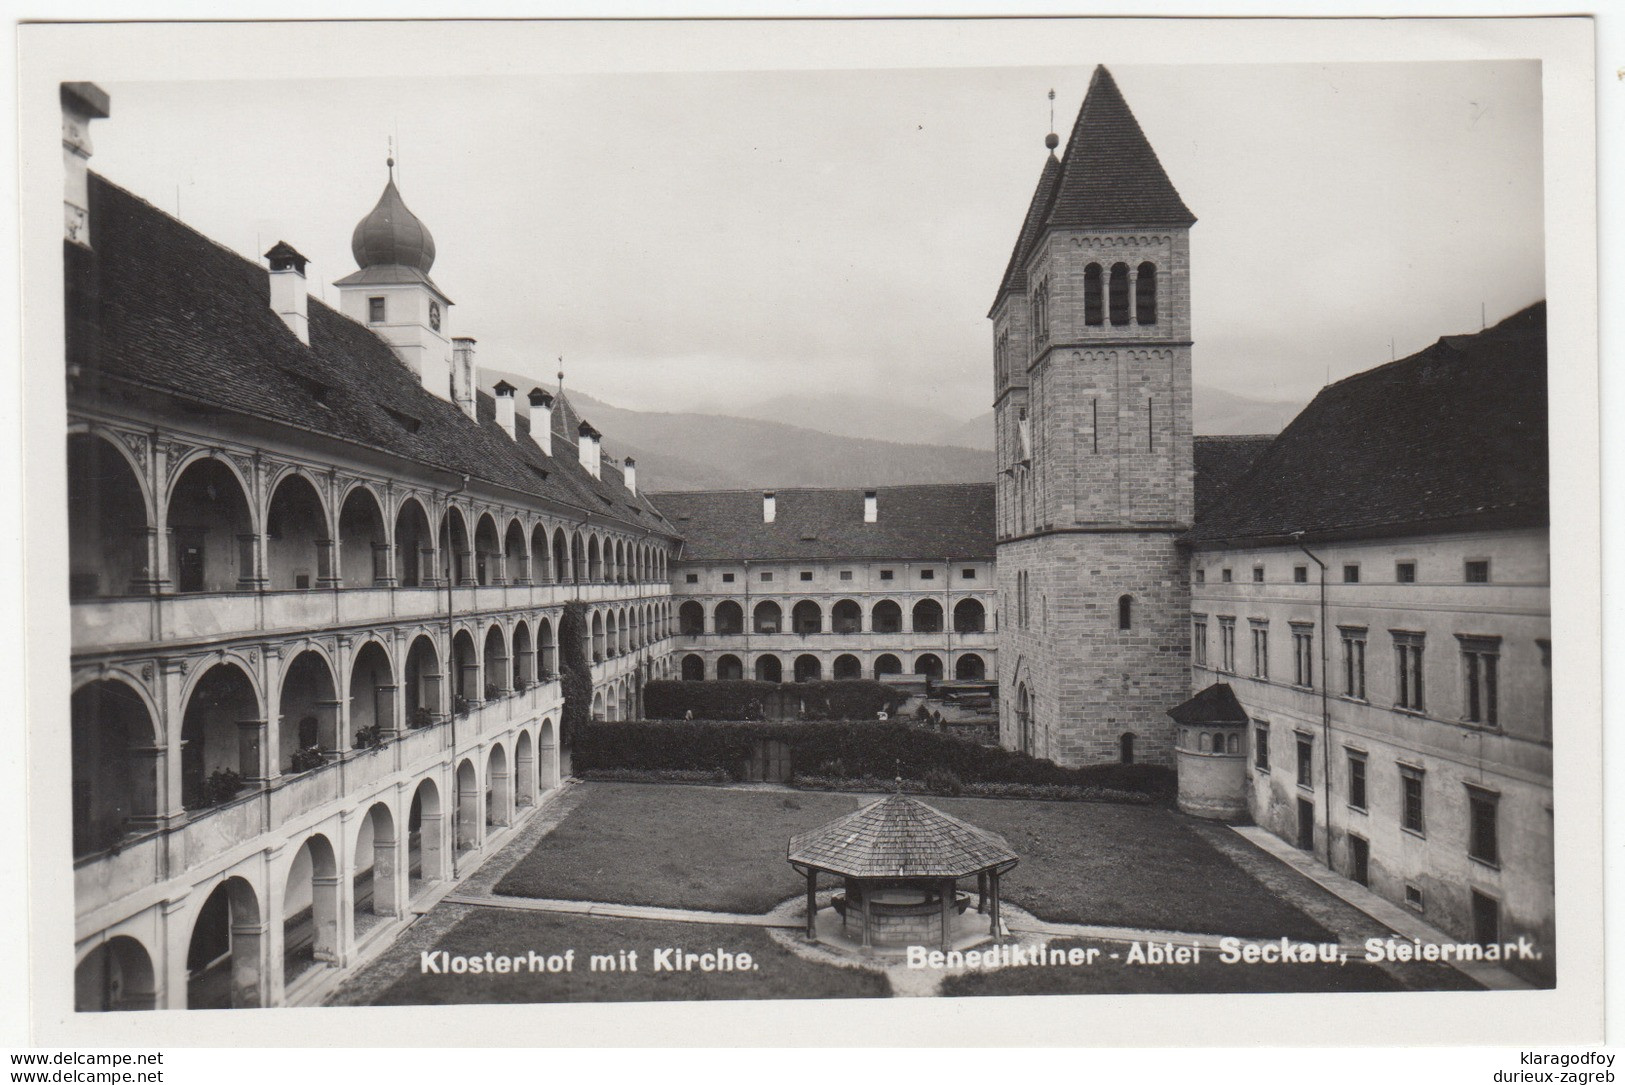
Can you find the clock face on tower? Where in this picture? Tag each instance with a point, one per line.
(434, 315)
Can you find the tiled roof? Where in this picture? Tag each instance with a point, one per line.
(1110, 176)
(900, 837)
(1451, 438)
(948, 521)
(1215, 704)
(1032, 226)
(162, 311)
(1220, 460)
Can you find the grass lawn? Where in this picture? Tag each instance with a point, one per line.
(1208, 976)
(778, 973)
(721, 849)
(675, 846)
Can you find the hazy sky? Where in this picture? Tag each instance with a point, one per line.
(712, 240)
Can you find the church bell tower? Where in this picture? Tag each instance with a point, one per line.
(1092, 362)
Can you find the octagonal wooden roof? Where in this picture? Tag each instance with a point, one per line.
(900, 837)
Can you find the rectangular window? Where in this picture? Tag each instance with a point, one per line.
(846, 574)
(1408, 652)
(1258, 574)
(1261, 648)
(806, 574)
(928, 574)
(1351, 574)
(1405, 572)
(691, 578)
(1410, 782)
(1261, 746)
(1300, 574)
(1413, 897)
(1201, 576)
(767, 578)
(375, 310)
(1227, 644)
(1199, 639)
(1482, 843)
(1303, 655)
(1224, 575)
(1353, 661)
(1478, 572)
(1357, 780)
(1480, 657)
(967, 574)
(885, 574)
(1306, 762)
(727, 578)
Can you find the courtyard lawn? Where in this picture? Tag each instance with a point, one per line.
(723, 849)
(778, 973)
(1208, 976)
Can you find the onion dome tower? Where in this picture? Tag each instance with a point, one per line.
(392, 293)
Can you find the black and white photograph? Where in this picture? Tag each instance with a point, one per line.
(844, 514)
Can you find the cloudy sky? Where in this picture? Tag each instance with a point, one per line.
(716, 239)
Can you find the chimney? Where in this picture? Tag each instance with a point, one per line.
(505, 405)
(464, 377)
(81, 104)
(541, 419)
(588, 447)
(770, 508)
(289, 298)
(871, 507)
(631, 472)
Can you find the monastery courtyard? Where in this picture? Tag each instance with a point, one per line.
(617, 869)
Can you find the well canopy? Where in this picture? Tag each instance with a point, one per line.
(900, 837)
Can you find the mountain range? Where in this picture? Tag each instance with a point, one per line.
(837, 439)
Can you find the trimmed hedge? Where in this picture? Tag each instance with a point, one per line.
(743, 699)
(575, 673)
(841, 750)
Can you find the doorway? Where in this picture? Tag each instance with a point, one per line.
(1306, 825)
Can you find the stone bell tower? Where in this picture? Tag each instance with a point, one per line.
(1092, 359)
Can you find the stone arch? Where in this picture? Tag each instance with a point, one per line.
(212, 529)
(808, 668)
(970, 668)
(498, 665)
(115, 975)
(1117, 296)
(620, 562)
(970, 616)
(422, 687)
(807, 618)
(768, 668)
(930, 665)
(547, 770)
(524, 656)
(886, 617)
(563, 569)
(598, 706)
(1145, 293)
(927, 616)
(541, 555)
(1094, 295)
(117, 759)
(425, 839)
(767, 617)
(310, 909)
(729, 618)
(375, 889)
(546, 660)
(222, 704)
(1024, 719)
(470, 820)
(886, 663)
(516, 553)
(524, 770)
(846, 616)
(109, 517)
(597, 636)
(487, 550)
(729, 668)
(308, 708)
(578, 558)
(846, 668)
(363, 539)
(465, 670)
(414, 545)
(498, 787)
(225, 954)
(693, 668)
(1125, 747)
(455, 547)
(595, 560)
(372, 688)
(297, 536)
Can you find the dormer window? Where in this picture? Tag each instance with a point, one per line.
(375, 310)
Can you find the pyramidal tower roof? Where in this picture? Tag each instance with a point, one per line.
(1015, 274)
(1110, 176)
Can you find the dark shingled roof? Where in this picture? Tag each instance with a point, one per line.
(1221, 460)
(162, 312)
(1032, 226)
(949, 521)
(900, 837)
(1215, 704)
(1110, 176)
(1451, 438)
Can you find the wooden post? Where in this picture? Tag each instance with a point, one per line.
(948, 902)
(993, 924)
(863, 898)
(981, 892)
(812, 904)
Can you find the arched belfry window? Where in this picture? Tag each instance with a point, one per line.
(1125, 612)
(1094, 299)
(1145, 294)
(1119, 294)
